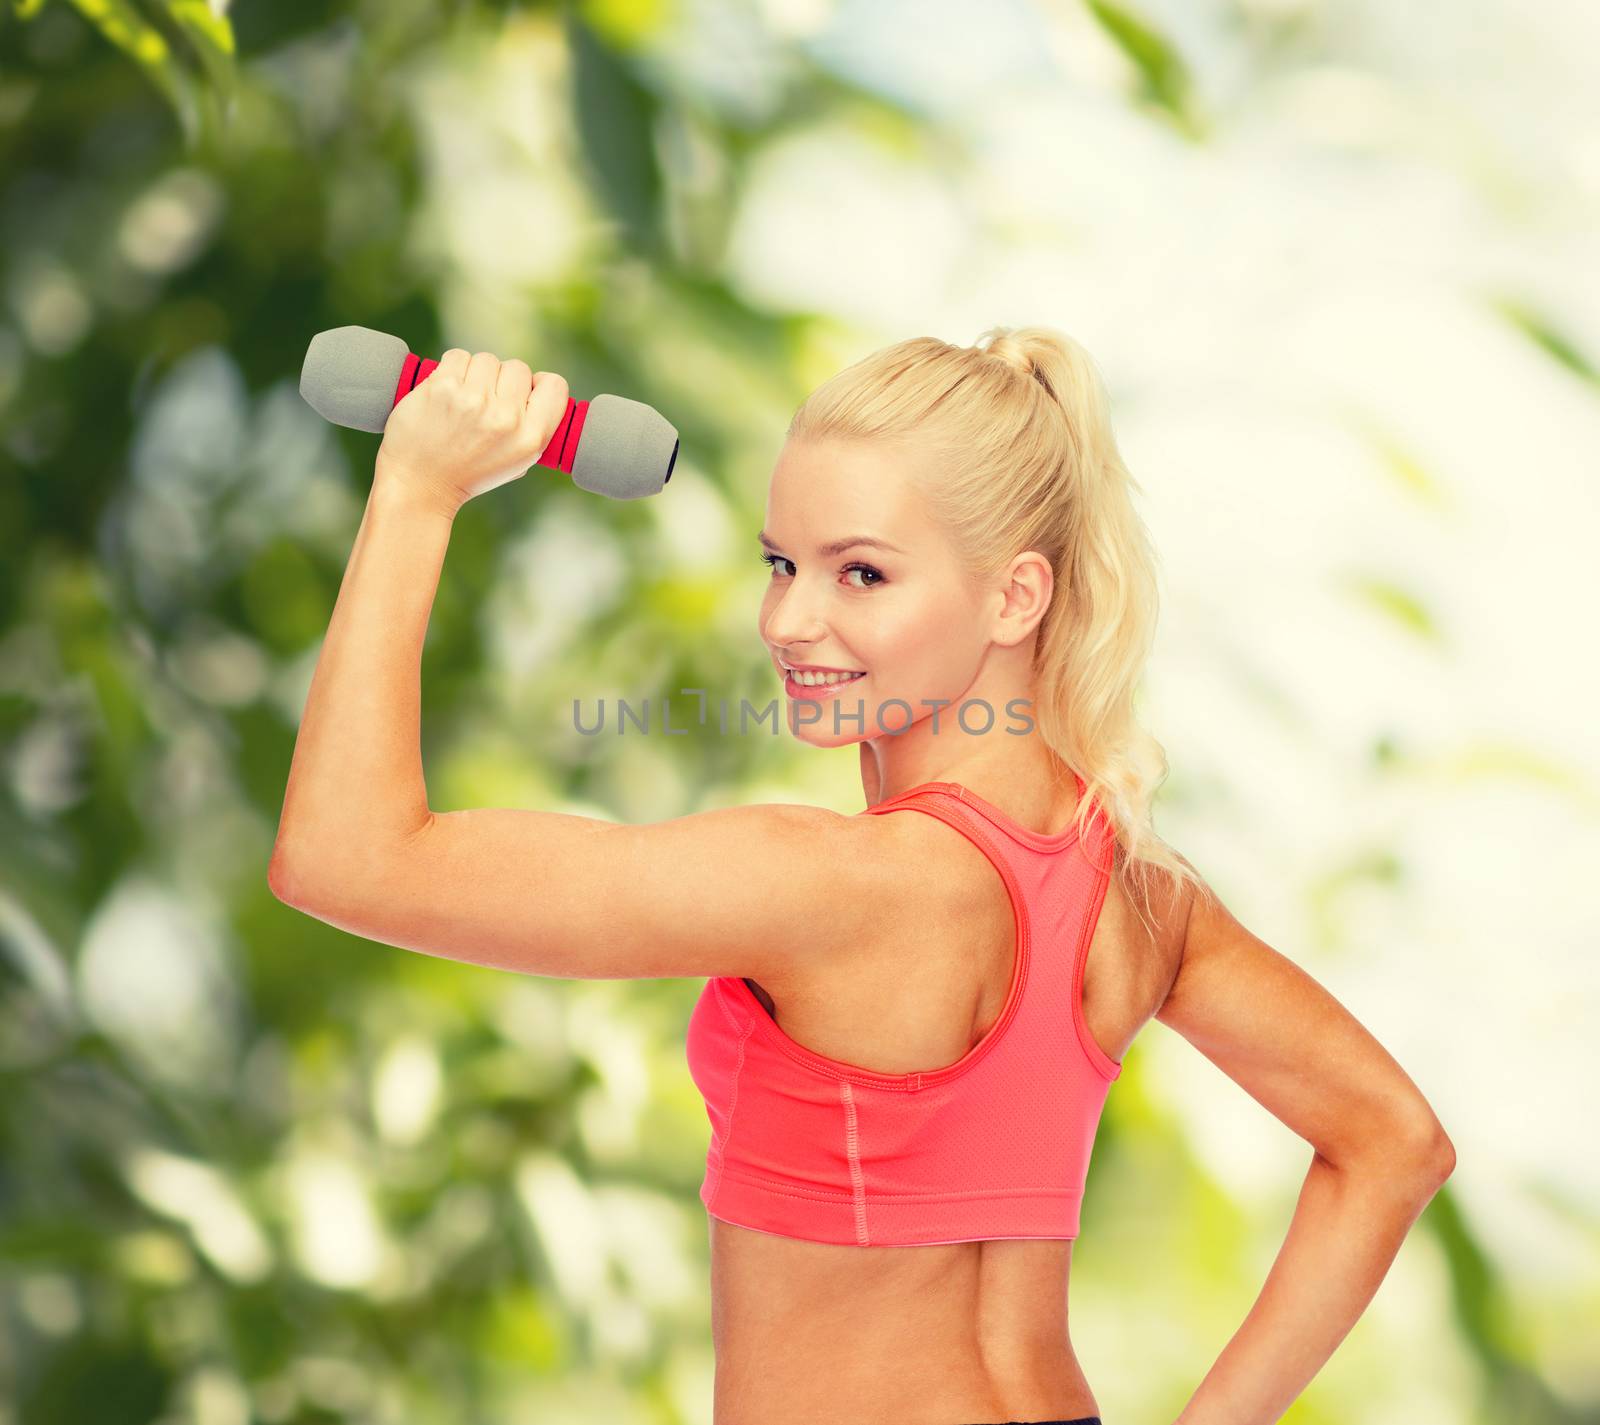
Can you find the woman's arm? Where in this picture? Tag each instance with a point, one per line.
(1379, 1155)
(735, 891)
(1347, 1227)
(355, 785)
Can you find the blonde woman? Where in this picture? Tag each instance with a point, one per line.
(914, 1015)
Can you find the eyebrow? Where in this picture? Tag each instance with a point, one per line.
(839, 546)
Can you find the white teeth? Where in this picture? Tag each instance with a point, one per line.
(823, 680)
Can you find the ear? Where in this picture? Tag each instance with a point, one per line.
(1026, 589)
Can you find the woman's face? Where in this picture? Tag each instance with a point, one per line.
(903, 616)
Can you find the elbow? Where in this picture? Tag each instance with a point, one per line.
(1442, 1158)
(287, 881)
(1430, 1151)
(341, 881)
(304, 866)
(1414, 1155)
(280, 879)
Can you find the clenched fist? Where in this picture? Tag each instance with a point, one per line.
(476, 422)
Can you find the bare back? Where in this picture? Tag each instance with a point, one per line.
(945, 1333)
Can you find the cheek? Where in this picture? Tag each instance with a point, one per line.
(913, 631)
(926, 646)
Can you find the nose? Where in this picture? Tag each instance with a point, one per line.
(793, 621)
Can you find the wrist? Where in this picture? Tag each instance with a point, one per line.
(394, 487)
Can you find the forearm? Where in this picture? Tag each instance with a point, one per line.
(1347, 1227)
(355, 782)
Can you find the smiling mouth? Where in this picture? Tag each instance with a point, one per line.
(821, 680)
(807, 668)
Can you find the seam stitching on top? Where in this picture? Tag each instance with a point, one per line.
(733, 1106)
(852, 1147)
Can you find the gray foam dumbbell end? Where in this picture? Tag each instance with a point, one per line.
(350, 374)
(626, 449)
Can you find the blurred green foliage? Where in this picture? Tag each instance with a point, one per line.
(252, 1167)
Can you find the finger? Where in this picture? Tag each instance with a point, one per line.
(514, 381)
(482, 371)
(454, 364)
(547, 404)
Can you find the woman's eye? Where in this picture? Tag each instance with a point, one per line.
(864, 569)
(773, 560)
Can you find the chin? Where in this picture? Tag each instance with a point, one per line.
(819, 731)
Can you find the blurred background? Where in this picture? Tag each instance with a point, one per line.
(1336, 259)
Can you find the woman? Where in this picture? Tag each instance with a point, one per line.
(911, 1022)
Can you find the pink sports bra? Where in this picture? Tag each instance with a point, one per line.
(996, 1144)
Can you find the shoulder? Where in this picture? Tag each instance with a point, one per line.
(894, 859)
(867, 880)
(889, 862)
(857, 868)
(1160, 904)
(934, 858)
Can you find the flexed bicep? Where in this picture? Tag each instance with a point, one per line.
(737, 891)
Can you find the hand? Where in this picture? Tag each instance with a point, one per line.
(470, 426)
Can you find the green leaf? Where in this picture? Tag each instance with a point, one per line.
(615, 117)
(1165, 76)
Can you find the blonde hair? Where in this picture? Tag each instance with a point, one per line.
(1012, 446)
